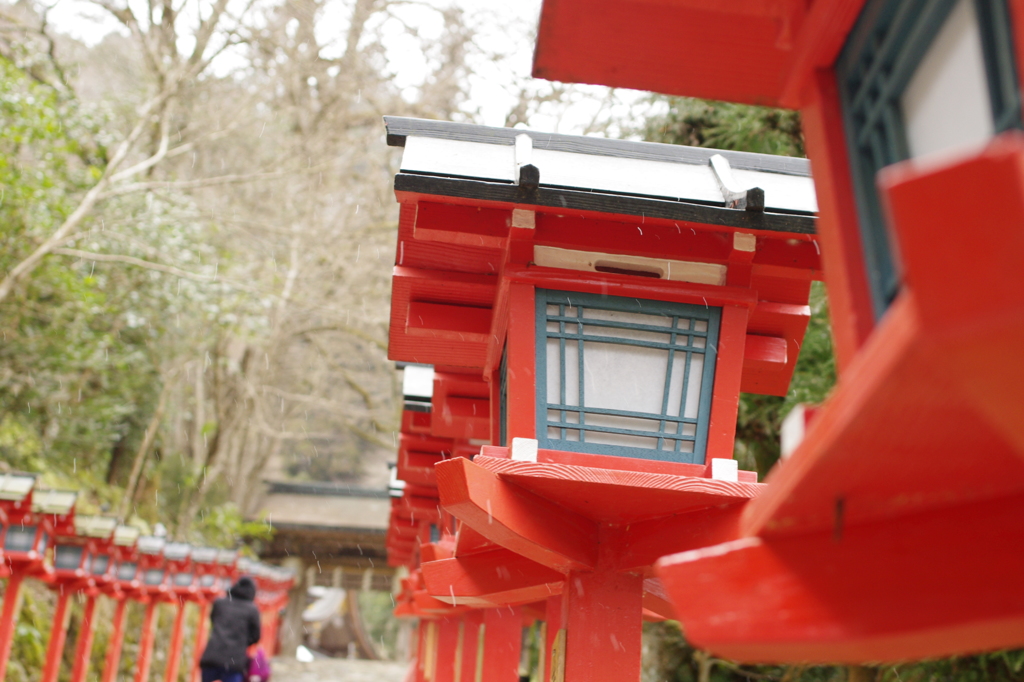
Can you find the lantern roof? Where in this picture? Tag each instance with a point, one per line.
(227, 557)
(667, 212)
(54, 501)
(126, 536)
(89, 526)
(15, 487)
(177, 551)
(596, 174)
(739, 51)
(204, 555)
(151, 544)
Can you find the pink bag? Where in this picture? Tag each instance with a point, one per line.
(259, 667)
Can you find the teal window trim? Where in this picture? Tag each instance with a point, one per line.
(153, 576)
(68, 557)
(20, 539)
(880, 57)
(670, 434)
(99, 564)
(126, 570)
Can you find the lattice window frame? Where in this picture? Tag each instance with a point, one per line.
(881, 55)
(677, 311)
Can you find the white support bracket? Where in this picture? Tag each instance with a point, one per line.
(525, 174)
(734, 194)
(524, 449)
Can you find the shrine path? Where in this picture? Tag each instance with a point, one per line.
(337, 670)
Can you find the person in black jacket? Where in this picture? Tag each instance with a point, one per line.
(235, 626)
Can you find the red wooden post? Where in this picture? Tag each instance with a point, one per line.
(116, 641)
(554, 642)
(146, 643)
(201, 633)
(603, 613)
(8, 619)
(503, 643)
(447, 647)
(467, 665)
(83, 646)
(425, 650)
(58, 633)
(174, 653)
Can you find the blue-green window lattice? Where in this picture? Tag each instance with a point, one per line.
(624, 376)
(895, 47)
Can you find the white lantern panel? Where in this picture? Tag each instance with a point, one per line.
(946, 105)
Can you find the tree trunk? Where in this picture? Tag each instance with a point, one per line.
(140, 456)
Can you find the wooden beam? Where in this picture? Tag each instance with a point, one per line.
(516, 519)
(442, 321)
(765, 353)
(937, 583)
(462, 225)
(643, 543)
(495, 578)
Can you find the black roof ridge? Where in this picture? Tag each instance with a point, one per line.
(399, 127)
(605, 202)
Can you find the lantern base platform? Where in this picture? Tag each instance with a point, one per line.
(498, 577)
(561, 516)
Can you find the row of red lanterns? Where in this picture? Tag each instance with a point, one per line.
(42, 538)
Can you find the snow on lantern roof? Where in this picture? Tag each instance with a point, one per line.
(204, 555)
(15, 487)
(177, 551)
(227, 557)
(126, 536)
(620, 176)
(95, 526)
(54, 501)
(151, 544)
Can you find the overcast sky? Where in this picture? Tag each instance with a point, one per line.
(503, 26)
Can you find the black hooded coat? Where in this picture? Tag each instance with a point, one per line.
(234, 626)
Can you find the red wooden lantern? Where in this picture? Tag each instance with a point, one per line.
(22, 557)
(206, 570)
(98, 532)
(894, 495)
(273, 584)
(125, 585)
(27, 535)
(183, 587)
(154, 588)
(70, 566)
(615, 297)
(445, 413)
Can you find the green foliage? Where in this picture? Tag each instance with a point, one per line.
(223, 525)
(760, 417)
(724, 125)
(73, 373)
(382, 627)
(28, 650)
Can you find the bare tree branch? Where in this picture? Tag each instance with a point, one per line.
(131, 260)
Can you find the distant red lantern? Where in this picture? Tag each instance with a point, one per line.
(614, 298)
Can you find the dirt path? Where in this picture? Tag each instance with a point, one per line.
(337, 670)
